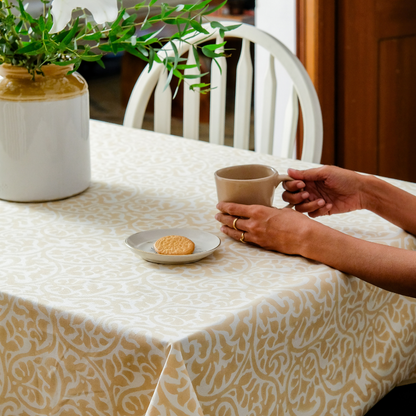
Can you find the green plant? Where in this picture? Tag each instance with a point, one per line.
(29, 41)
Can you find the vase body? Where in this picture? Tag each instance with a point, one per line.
(44, 134)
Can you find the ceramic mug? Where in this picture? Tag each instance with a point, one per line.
(248, 184)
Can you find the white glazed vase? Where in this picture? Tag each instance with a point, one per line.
(44, 134)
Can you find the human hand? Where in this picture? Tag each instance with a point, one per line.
(324, 191)
(282, 230)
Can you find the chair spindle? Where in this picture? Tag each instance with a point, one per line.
(269, 109)
(243, 90)
(191, 101)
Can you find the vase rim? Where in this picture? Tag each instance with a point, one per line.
(49, 70)
(16, 84)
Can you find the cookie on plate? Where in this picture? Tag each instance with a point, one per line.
(174, 245)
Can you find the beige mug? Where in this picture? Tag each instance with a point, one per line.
(248, 184)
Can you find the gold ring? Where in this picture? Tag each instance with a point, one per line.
(242, 237)
(235, 223)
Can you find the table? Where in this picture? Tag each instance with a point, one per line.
(87, 328)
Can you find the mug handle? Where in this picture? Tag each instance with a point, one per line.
(285, 178)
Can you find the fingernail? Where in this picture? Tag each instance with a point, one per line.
(305, 195)
(321, 202)
(300, 185)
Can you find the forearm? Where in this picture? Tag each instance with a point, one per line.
(390, 202)
(387, 267)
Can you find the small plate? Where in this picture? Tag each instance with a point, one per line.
(142, 243)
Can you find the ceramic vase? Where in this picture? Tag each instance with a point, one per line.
(44, 134)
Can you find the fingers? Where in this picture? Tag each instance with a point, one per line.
(311, 206)
(295, 198)
(325, 210)
(237, 210)
(228, 221)
(314, 174)
(293, 186)
(237, 235)
(227, 227)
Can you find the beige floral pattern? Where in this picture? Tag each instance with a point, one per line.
(87, 328)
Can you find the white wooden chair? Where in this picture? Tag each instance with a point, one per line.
(303, 91)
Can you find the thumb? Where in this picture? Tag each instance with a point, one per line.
(314, 174)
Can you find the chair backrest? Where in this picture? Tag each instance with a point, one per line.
(303, 90)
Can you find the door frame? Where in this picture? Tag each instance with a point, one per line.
(315, 47)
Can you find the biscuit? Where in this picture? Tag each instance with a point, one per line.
(174, 245)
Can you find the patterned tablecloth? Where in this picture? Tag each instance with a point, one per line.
(87, 328)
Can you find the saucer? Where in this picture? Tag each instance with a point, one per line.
(142, 243)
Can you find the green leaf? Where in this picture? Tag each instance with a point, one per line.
(119, 19)
(105, 48)
(201, 85)
(215, 25)
(19, 26)
(65, 63)
(195, 76)
(196, 56)
(151, 57)
(200, 5)
(210, 54)
(214, 46)
(31, 47)
(169, 79)
(152, 3)
(146, 25)
(49, 23)
(178, 35)
(90, 58)
(41, 23)
(178, 74)
(135, 52)
(185, 66)
(142, 50)
(155, 18)
(175, 51)
(129, 21)
(218, 65)
(68, 38)
(92, 36)
(24, 15)
(60, 36)
(176, 89)
(214, 9)
(175, 20)
(197, 26)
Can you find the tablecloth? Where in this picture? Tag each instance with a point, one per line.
(87, 328)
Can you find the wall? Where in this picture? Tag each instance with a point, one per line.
(277, 17)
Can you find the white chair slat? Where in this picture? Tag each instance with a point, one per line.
(268, 110)
(306, 94)
(290, 125)
(242, 111)
(217, 99)
(163, 105)
(191, 101)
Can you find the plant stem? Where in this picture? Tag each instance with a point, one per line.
(9, 11)
(15, 34)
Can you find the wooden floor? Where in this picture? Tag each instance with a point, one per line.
(105, 105)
